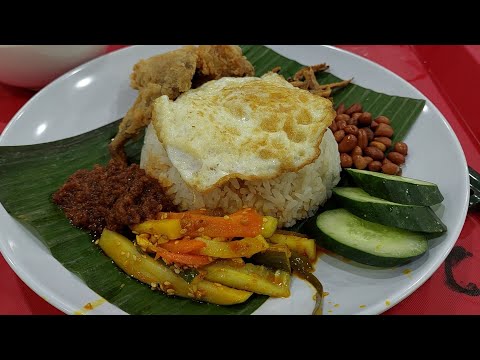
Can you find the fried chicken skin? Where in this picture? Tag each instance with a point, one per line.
(172, 74)
(172, 71)
(217, 61)
(166, 74)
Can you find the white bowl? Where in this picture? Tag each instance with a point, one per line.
(34, 66)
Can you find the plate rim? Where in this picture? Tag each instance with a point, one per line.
(65, 307)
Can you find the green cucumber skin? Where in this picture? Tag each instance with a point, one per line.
(359, 256)
(311, 229)
(414, 218)
(397, 190)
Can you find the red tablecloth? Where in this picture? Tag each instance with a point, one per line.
(448, 76)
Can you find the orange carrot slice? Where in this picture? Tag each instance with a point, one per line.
(185, 259)
(243, 223)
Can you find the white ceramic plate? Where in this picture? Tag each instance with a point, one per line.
(98, 92)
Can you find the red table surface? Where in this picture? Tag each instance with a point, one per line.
(448, 76)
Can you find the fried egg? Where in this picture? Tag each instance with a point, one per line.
(246, 128)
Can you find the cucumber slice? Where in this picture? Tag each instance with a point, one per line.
(410, 217)
(366, 242)
(398, 189)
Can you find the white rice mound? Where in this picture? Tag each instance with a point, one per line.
(288, 197)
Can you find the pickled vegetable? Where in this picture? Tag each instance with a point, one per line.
(299, 244)
(277, 256)
(169, 228)
(250, 277)
(233, 249)
(156, 274)
(269, 226)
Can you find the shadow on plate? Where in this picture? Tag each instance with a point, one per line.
(341, 263)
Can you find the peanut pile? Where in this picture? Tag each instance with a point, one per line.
(363, 142)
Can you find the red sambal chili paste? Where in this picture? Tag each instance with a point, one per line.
(114, 196)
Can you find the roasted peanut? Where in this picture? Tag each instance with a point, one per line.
(363, 138)
(347, 144)
(343, 117)
(374, 153)
(352, 121)
(375, 166)
(351, 129)
(346, 160)
(390, 168)
(339, 135)
(356, 107)
(360, 162)
(368, 159)
(384, 130)
(370, 134)
(401, 148)
(382, 120)
(357, 150)
(365, 119)
(378, 145)
(396, 157)
(341, 124)
(356, 116)
(384, 140)
(333, 126)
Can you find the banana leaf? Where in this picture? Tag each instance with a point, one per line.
(29, 175)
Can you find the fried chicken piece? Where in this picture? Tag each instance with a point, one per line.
(217, 61)
(172, 74)
(173, 71)
(166, 74)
